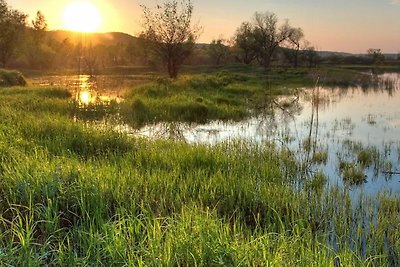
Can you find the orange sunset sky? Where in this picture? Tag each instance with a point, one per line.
(349, 26)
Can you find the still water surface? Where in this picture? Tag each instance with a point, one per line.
(338, 120)
(332, 120)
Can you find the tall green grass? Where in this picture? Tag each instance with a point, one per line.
(75, 195)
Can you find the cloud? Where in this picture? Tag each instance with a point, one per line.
(395, 2)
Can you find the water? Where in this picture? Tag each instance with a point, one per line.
(342, 122)
(337, 122)
(92, 89)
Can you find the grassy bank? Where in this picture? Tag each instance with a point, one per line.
(227, 93)
(75, 195)
(232, 93)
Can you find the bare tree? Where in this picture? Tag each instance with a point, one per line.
(294, 44)
(12, 25)
(170, 34)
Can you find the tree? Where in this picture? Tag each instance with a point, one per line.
(12, 24)
(89, 59)
(294, 44)
(38, 53)
(244, 41)
(39, 26)
(310, 55)
(170, 34)
(260, 38)
(376, 55)
(218, 50)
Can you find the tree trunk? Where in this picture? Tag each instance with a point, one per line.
(172, 69)
(296, 58)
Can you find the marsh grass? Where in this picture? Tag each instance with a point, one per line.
(75, 195)
(200, 98)
(337, 76)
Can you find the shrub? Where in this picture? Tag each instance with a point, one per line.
(11, 78)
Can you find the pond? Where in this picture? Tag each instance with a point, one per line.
(352, 135)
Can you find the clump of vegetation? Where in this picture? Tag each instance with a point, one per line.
(371, 119)
(320, 157)
(317, 182)
(366, 157)
(11, 78)
(352, 173)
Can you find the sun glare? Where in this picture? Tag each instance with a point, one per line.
(82, 16)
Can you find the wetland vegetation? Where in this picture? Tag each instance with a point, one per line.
(78, 192)
(259, 151)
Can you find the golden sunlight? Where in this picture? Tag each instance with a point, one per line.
(82, 16)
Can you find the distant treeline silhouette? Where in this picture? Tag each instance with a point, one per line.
(260, 41)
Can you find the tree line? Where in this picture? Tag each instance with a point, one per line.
(168, 40)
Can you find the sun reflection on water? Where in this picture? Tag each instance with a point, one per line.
(85, 98)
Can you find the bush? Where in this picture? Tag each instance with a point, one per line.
(11, 78)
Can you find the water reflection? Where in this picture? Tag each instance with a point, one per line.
(325, 127)
(92, 89)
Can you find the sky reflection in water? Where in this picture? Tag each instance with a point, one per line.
(370, 117)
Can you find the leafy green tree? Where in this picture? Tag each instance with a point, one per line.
(170, 34)
(12, 25)
(245, 42)
(39, 26)
(39, 54)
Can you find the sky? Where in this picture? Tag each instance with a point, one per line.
(329, 25)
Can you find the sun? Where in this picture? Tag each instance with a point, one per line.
(82, 16)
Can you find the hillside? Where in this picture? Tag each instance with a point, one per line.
(110, 38)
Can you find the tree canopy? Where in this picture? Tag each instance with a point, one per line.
(170, 33)
(260, 38)
(12, 25)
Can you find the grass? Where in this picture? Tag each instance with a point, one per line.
(72, 194)
(203, 97)
(230, 92)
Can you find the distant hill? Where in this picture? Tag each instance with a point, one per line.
(325, 54)
(111, 38)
